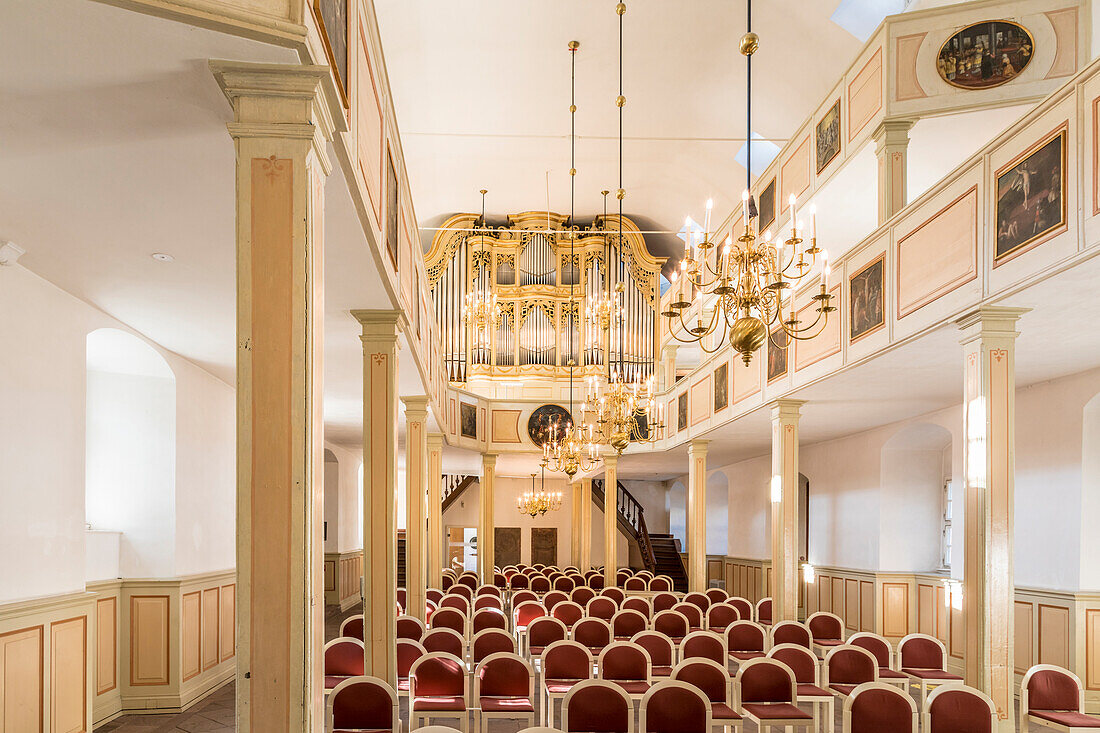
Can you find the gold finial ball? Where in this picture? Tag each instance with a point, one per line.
(620, 101)
(574, 45)
(572, 108)
(571, 363)
(572, 171)
(749, 43)
(604, 193)
(747, 335)
(484, 191)
(620, 9)
(620, 194)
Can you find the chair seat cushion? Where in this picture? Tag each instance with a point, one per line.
(885, 673)
(662, 671)
(746, 656)
(331, 680)
(1067, 718)
(806, 690)
(537, 650)
(828, 642)
(722, 711)
(363, 730)
(506, 705)
(842, 689)
(440, 703)
(775, 711)
(633, 687)
(930, 674)
(403, 684)
(560, 687)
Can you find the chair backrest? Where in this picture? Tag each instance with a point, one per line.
(636, 584)
(456, 601)
(615, 594)
(545, 630)
(581, 595)
(639, 604)
(566, 660)
(877, 645)
(721, 615)
(435, 595)
(410, 627)
(352, 627)
(500, 581)
(568, 612)
(444, 640)
(491, 641)
(553, 598)
(465, 588)
(791, 632)
(674, 707)
(691, 612)
(489, 618)
(402, 598)
(504, 674)
(408, 651)
(659, 646)
(526, 612)
(850, 665)
(705, 645)
(594, 633)
(662, 583)
(956, 708)
(698, 599)
(765, 680)
(825, 625)
(365, 702)
(745, 636)
(541, 584)
(597, 706)
(744, 607)
(488, 602)
(596, 583)
(522, 596)
(874, 707)
(921, 651)
(449, 618)
(663, 600)
(564, 583)
(469, 580)
(802, 661)
(489, 590)
(764, 611)
(622, 660)
(1048, 687)
(712, 678)
(344, 657)
(601, 607)
(519, 581)
(672, 624)
(627, 623)
(717, 595)
(437, 673)
(622, 576)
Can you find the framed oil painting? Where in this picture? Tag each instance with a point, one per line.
(332, 18)
(392, 212)
(777, 355)
(828, 137)
(507, 545)
(540, 426)
(682, 412)
(544, 545)
(468, 420)
(867, 311)
(985, 55)
(1031, 197)
(766, 207)
(721, 386)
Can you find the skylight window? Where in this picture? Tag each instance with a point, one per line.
(861, 17)
(763, 153)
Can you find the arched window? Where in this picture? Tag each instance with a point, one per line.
(916, 463)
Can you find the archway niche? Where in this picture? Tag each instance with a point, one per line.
(331, 531)
(916, 465)
(718, 513)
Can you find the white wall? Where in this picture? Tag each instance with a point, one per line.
(332, 507)
(677, 511)
(910, 510)
(717, 520)
(1090, 496)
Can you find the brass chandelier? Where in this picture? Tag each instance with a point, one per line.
(480, 310)
(746, 282)
(535, 503)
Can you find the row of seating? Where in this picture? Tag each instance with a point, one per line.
(545, 578)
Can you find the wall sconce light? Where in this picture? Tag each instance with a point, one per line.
(777, 489)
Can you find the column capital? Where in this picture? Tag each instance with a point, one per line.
(416, 407)
(669, 349)
(786, 409)
(489, 460)
(892, 132)
(379, 324)
(435, 441)
(990, 320)
(698, 447)
(610, 459)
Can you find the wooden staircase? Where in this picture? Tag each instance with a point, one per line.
(666, 551)
(631, 521)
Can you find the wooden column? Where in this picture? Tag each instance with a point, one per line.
(666, 375)
(380, 330)
(989, 466)
(283, 118)
(434, 543)
(784, 500)
(485, 526)
(585, 487)
(697, 516)
(892, 150)
(416, 469)
(575, 536)
(610, 517)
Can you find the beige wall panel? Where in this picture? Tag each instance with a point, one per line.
(369, 128)
(942, 632)
(1064, 22)
(227, 622)
(68, 675)
(1023, 617)
(505, 426)
(866, 605)
(865, 95)
(938, 255)
(191, 644)
(106, 630)
(1053, 635)
(895, 609)
(794, 175)
(958, 632)
(851, 604)
(701, 400)
(824, 593)
(21, 708)
(837, 602)
(210, 630)
(746, 378)
(1092, 648)
(149, 659)
(906, 83)
(827, 342)
(926, 609)
(330, 575)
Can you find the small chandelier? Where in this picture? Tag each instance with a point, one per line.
(747, 280)
(480, 310)
(535, 503)
(607, 310)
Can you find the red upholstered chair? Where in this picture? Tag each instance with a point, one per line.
(765, 693)
(597, 706)
(636, 584)
(435, 595)
(541, 584)
(352, 627)
(601, 607)
(429, 609)
(364, 704)
(640, 604)
(410, 627)
(500, 581)
(716, 595)
(564, 583)
(563, 665)
(488, 618)
(590, 575)
(713, 680)
(662, 654)
(827, 629)
(581, 595)
(660, 584)
(1053, 697)
(408, 651)
(884, 655)
(596, 582)
(488, 602)
(568, 613)
(489, 590)
(449, 618)
(615, 594)
(402, 599)
(469, 579)
(522, 596)
(874, 707)
(763, 612)
(622, 576)
(807, 676)
(627, 665)
(491, 641)
(663, 600)
(578, 580)
(437, 689)
(343, 660)
(705, 645)
(956, 708)
(923, 659)
(846, 667)
(674, 707)
(692, 613)
(457, 602)
(519, 581)
(626, 623)
(526, 612)
(790, 632)
(464, 587)
(504, 688)
(698, 599)
(538, 566)
(745, 640)
(553, 598)
(672, 624)
(542, 632)
(594, 633)
(744, 607)
(444, 640)
(721, 615)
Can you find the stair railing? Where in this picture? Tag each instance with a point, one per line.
(631, 515)
(453, 485)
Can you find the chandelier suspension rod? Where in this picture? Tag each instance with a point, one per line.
(621, 101)
(573, 46)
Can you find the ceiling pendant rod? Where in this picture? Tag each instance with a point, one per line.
(621, 193)
(573, 46)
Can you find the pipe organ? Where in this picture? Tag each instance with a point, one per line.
(542, 291)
